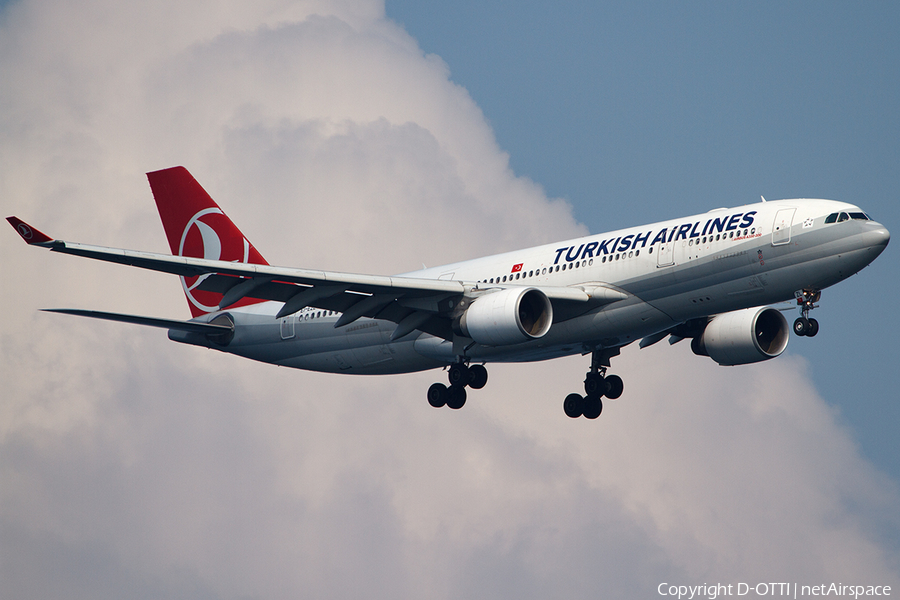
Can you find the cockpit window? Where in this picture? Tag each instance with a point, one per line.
(839, 217)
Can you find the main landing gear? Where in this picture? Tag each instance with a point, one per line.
(596, 385)
(804, 326)
(460, 376)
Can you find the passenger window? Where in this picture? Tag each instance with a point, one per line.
(504, 279)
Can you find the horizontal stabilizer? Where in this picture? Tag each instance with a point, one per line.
(192, 326)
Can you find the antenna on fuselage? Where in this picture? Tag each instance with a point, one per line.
(761, 198)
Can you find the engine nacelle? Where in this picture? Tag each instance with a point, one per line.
(743, 336)
(510, 316)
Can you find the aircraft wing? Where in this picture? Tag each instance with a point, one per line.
(410, 301)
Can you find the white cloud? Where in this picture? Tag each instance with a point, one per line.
(132, 466)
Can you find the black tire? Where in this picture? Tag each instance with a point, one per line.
(437, 395)
(595, 385)
(573, 405)
(592, 407)
(801, 326)
(616, 387)
(813, 328)
(456, 397)
(458, 374)
(478, 377)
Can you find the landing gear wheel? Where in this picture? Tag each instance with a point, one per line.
(595, 386)
(478, 377)
(616, 387)
(573, 405)
(456, 397)
(592, 407)
(437, 395)
(813, 328)
(458, 374)
(802, 326)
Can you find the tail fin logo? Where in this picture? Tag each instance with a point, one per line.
(201, 240)
(25, 231)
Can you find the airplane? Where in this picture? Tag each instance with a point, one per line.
(712, 278)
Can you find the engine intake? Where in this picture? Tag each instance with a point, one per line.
(510, 316)
(743, 336)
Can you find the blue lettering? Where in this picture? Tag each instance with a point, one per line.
(718, 225)
(570, 257)
(682, 232)
(748, 219)
(733, 222)
(641, 238)
(660, 237)
(671, 235)
(604, 247)
(626, 243)
(558, 254)
(705, 227)
(589, 250)
(694, 230)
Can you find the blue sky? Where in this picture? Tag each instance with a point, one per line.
(641, 111)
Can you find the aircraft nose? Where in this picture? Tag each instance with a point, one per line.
(877, 236)
(880, 236)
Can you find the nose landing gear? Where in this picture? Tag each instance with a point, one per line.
(596, 385)
(460, 376)
(805, 326)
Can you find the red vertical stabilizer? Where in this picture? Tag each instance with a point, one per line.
(197, 227)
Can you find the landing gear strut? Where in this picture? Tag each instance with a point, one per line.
(596, 385)
(804, 326)
(460, 375)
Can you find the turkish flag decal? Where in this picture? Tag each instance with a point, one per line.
(517, 268)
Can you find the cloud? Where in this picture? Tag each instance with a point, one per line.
(132, 466)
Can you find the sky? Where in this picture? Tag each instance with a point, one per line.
(350, 135)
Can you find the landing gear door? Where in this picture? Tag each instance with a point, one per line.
(781, 229)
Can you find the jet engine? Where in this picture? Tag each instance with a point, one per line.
(743, 336)
(510, 316)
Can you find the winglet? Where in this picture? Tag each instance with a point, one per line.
(31, 235)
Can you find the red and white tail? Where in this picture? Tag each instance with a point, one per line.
(197, 227)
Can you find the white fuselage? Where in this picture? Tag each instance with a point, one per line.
(669, 273)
